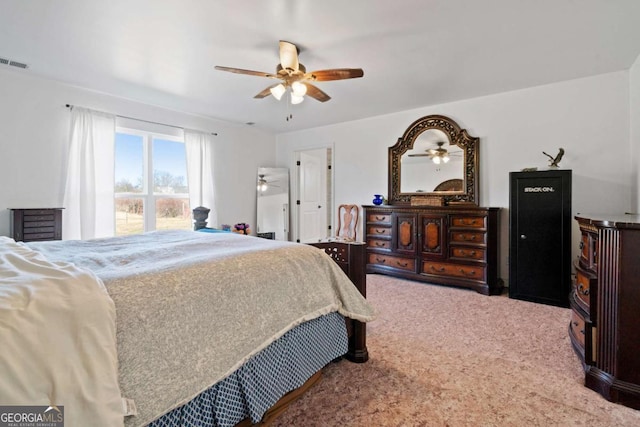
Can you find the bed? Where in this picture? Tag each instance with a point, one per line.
(180, 327)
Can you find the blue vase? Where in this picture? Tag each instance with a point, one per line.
(377, 199)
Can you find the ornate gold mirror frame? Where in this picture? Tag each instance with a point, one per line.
(459, 137)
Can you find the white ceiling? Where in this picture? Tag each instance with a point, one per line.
(414, 52)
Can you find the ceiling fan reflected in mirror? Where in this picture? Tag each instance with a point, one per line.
(437, 155)
(263, 184)
(294, 77)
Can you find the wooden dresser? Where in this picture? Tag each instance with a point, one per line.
(605, 301)
(29, 225)
(452, 245)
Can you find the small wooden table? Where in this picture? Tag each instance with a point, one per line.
(350, 256)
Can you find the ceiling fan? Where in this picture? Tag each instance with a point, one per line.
(438, 155)
(294, 77)
(263, 184)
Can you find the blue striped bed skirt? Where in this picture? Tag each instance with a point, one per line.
(257, 385)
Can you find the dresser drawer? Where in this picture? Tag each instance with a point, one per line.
(468, 221)
(378, 244)
(382, 218)
(373, 231)
(31, 220)
(408, 264)
(460, 252)
(585, 286)
(577, 327)
(476, 237)
(476, 272)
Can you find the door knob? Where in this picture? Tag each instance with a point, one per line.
(523, 237)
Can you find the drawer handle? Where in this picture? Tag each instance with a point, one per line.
(468, 222)
(465, 253)
(467, 238)
(439, 270)
(575, 323)
(400, 264)
(380, 231)
(380, 218)
(581, 245)
(379, 244)
(381, 260)
(467, 273)
(583, 290)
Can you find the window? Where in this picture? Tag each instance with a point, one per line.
(151, 191)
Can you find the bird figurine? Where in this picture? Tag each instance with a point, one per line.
(554, 162)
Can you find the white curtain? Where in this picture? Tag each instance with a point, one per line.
(199, 149)
(89, 190)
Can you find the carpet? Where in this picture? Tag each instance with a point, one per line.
(442, 356)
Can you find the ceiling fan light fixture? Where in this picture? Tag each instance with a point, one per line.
(445, 158)
(299, 89)
(295, 99)
(277, 91)
(436, 160)
(262, 183)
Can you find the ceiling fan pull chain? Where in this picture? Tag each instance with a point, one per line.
(289, 116)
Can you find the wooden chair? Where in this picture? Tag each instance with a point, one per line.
(348, 222)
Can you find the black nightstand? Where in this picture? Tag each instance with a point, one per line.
(32, 225)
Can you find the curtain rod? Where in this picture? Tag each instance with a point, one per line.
(146, 121)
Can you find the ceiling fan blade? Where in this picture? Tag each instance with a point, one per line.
(316, 93)
(266, 92)
(335, 74)
(289, 56)
(248, 72)
(419, 155)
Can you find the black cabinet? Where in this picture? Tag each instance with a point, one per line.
(31, 225)
(540, 236)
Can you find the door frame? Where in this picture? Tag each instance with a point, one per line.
(295, 190)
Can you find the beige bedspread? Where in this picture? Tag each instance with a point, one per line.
(192, 307)
(57, 339)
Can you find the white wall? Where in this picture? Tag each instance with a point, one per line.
(587, 117)
(634, 113)
(34, 127)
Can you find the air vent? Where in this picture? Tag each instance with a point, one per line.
(13, 63)
(18, 64)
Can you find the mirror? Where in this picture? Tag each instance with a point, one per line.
(434, 160)
(272, 190)
(431, 162)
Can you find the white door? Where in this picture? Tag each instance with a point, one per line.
(312, 212)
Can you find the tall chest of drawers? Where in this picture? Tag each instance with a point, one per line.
(29, 225)
(450, 245)
(605, 321)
